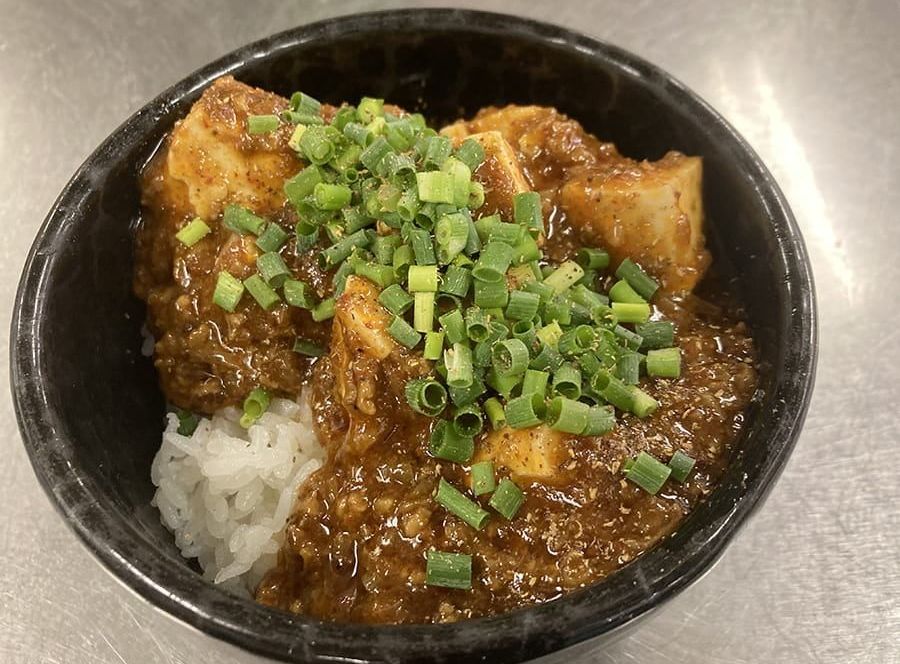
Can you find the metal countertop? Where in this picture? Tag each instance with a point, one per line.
(814, 86)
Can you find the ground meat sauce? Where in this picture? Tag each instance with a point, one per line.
(355, 548)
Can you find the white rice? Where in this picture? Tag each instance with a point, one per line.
(226, 492)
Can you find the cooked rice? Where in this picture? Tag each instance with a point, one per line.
(226, 492)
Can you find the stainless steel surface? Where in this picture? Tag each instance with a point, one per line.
(814, 86)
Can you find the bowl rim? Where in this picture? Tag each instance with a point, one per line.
(514, 636)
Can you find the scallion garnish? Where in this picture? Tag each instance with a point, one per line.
(507, 499)
(228, 291)
(262, 124)
(448, 570)
(457, 504)
(648, 473)
(194, 231)
(681, 465)
(255, 404)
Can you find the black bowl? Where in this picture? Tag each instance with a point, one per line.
(90, 411)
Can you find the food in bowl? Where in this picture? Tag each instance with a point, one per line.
(423, 376)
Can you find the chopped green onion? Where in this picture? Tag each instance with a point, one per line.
(262, 124)
(437, 150)
(448, 443)
(272, 239)
(632, 341)
(194, 231)
(435, 187)
(681, 465)
(305, 241)
(482, 478)
(456, 281)
(453, 324)
(468, 420)
(358, 133)
(477, 324)
(628, 368)
(509, 357)
(525, 411)
(457, 504)
(426, 396)
(527, 211)
(648, 473)
(460, 176)
(637, 278)
(476, 195)
(299, 294)
(458, 361)
(623, 292)
(664, 363)
(434, 345)
(507, 499)
(302, 185)
(403, 333)
(339, 252)
(523, 306)
(656, 334)
(331, 196)
(643, 405)
(567, 381)
(448, 570)
(303, 103)
(541, 289)
(592, 259)
(535, 382)
(601, 420)
(587, 298)
(451, 234)
(188, 421)
(403, 258)
(576, 341)
(490, 295)
(493, 262)
(503, 385)
(524, 331)
(384, 246)
(550, 334)
(631, 313)
(256, 403)
(374, 154)
(273, 269)
(471, 153)
(465, 396)
(423, 311)
(496, 415)
(564, 277)
(316, 144)
(423, 247)
(567, 415)
(380, 275)
(324, 310)
(409, 204)
(241, 220)
(422, 278)
(228, 291)
(370, 108)
(308, 348)
(613, 391)
(261, 292)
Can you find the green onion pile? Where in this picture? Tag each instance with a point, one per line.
(516, 342)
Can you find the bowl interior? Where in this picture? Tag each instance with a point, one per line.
(89, 404)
